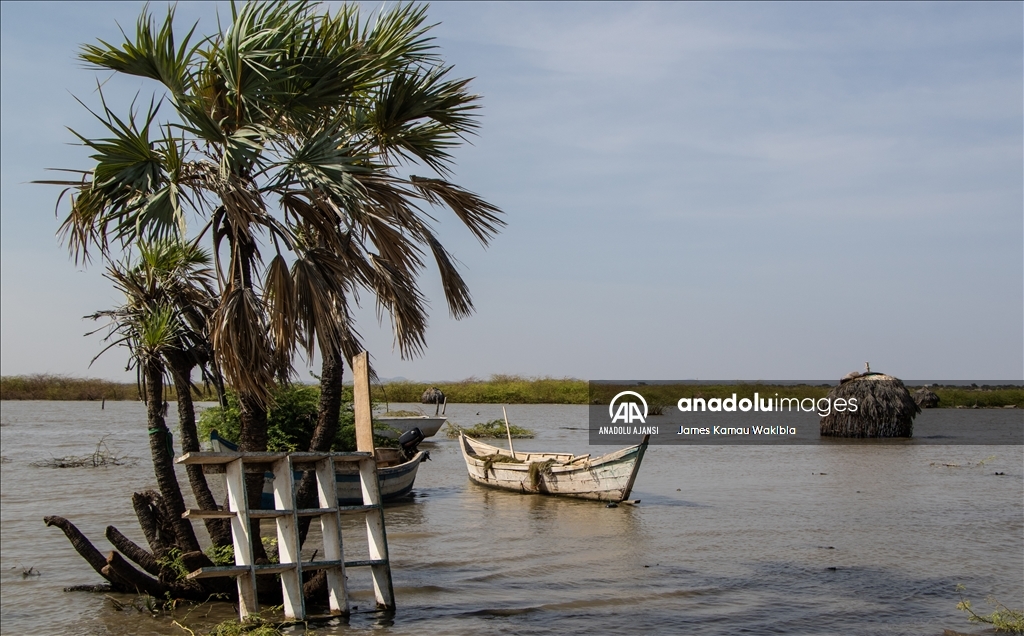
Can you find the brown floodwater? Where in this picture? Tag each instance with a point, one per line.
(852, 539)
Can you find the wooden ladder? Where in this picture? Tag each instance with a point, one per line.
(286, 515)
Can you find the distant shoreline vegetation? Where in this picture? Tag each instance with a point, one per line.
(63, 387)
(501, 389)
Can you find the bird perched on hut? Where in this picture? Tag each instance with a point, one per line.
(885, 408)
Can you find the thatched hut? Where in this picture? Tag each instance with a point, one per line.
(926, 398)
(433, 395)
(885, 408)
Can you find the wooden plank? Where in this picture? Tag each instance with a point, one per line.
(330, 529)
(365, 563)
(207, 457)
(218, 570)
(210, 457)
(305, 456)
(288, 547)
(277, 568)
(352, 510)
(361, 402)
(270, 514)
(193, 513)
(376, 536)
(308, 566)
(241, 537)
(350, 457)
(262, 458)
(314, 512)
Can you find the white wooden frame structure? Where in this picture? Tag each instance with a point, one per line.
(286, 515)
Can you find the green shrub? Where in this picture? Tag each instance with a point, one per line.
(291, 420)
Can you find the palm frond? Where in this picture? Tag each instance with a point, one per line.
(279, 298)
(153, 54)
(482, 218)
(239, 337)
(398, 296)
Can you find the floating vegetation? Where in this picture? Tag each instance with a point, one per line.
(966, 465)
(400, 414)
(102, 457)
(494, 428)
(251, 626)
(656, 409)
(1002, 619)
(144, 604)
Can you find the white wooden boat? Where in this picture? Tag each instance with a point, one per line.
(395, 475)
(428, 425)
(606, 478)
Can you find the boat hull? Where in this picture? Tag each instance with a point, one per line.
(606, 478)
(395, 482)
(429, 426)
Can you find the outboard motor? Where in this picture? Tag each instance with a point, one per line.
(409, 441)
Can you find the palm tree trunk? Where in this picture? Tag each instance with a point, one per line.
(252, 434)
(88, 551)
(328, 412)
(163, 457)
(181, 371)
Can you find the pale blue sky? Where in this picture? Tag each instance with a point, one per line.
(731, 191)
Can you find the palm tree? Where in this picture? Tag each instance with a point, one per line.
(167, 296)
(291, 139)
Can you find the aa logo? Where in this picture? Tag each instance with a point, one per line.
(627, 412)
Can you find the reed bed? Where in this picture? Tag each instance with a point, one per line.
(509, 389)
(64, 387)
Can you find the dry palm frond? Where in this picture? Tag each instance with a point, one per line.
(279, 299)
(239, 337)
(480, 217)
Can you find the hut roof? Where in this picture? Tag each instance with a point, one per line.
(926, 398)
(884, 408)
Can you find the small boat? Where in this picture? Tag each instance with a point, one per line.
(396, 425)
(606, 478)
(396, 473)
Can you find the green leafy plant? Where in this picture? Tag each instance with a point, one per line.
(221, 555)
(1002, 619)
(173, 562)
(290, 421)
